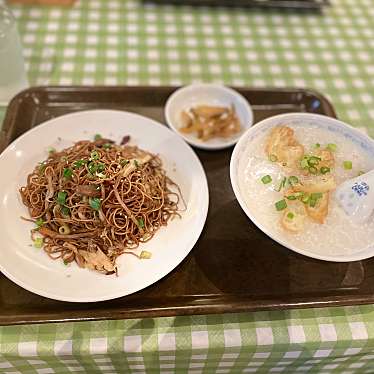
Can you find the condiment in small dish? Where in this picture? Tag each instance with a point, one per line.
(208, 116)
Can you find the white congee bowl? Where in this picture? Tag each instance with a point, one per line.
(249, 139)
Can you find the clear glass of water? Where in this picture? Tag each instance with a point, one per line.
(12, 68)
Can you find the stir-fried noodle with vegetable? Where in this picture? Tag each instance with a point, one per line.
(96, 200)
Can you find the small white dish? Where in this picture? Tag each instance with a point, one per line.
(207, 94)
(247, 146)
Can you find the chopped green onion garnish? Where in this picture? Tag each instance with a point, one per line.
(314, 198)
(124, 162)
(95, 203)
(65, 211)
(145, 255)
(100, 175)
(298, 194)
(61, 197)
(290, 215)
(291, 197)
(273, 158)
(347, 165)
(66, 263)
(92, 167)
(38, 243)
(95, 155)
(39, 222)
(63, 159)
(304, 163)
(360, 173)
(266, 179)
(281, 204)
(136, 163)
(312, 170)
(315, 195)
(79, 163)
(141, 222)
(67, 173)
(51, 150)
(42, 166)
(100, 167)
(107, 146)
(97, 137)
(324, 170)
(313, 160)
(317, 145)
(292, 180)
(331, 147)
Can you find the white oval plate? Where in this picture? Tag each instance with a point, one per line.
(207, 94)
(254, 133)
(33, 270)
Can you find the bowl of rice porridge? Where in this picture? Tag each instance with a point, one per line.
(284, 172)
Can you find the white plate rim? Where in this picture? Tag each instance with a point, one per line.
(243, 205)
(203, 216)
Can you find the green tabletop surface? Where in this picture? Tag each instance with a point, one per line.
(129, 42)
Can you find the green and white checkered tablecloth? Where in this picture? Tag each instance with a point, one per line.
(130, 42)
(331, 340)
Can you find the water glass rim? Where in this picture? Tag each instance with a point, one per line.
(7, 19)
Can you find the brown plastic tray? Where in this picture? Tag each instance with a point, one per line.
(233, 267)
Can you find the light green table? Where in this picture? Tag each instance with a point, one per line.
(126, 42)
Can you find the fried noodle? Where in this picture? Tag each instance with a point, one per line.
(97, 200)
